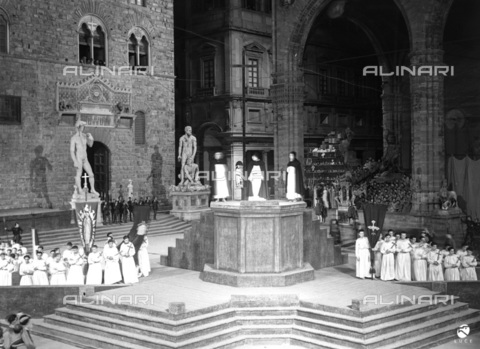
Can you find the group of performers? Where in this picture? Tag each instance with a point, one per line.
(109, 264)
(402, 259)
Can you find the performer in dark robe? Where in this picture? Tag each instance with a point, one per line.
(295, 188)
(256, 172)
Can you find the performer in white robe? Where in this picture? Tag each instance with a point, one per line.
(469, 262)
(378, 257)
(451, 263)
(435, 268)
(143, 259)
(388, 259)
(26, 272)
(420, 262)
(362, 253)
(57, 270)
(40, 277)
(129, 271)
(6, 269)
(462, 252)
(219, 177)
(75, 271)
(403, 268)
(112, 267)
(94, 275)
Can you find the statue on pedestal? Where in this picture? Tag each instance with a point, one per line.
(448, 199)
(187, 149)
(78, 152)
(130, 189)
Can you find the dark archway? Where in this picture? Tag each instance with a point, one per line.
(99, 158)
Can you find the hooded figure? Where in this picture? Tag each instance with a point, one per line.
(295, 188)
(256, 176)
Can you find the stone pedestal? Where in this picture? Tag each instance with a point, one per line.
(188, 205)
(258, 244)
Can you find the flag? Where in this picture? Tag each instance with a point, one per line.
(373, 212)
(87, 222)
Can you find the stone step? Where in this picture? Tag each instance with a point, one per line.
(80, 339)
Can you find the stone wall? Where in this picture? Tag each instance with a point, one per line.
(43, 41)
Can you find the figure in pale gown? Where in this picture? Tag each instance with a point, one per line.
(112, 267)
(143, 259)
(218, 172)
(75, 272)
(469, 262)
(26, 272)
(403, 265)
(256, 172)
(362, 253)
(129, 271)
(420, 262)
(451, 264)
(94, 274)
(295, 186)
(388, 259)
(378, 257)
(462, 252)
(57, 271)
(6, 269)
(40, 276)
(435, 265)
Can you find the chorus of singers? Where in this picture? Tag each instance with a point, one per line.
(109, 264)
(403, 259)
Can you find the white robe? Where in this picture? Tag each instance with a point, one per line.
(94, 275)
(378, 258)
(40, 276)
(362, 254)
(451, 263)
(75, 272)
(388, 261)
(256, 178)
(129, 270)
(143, 259)
(461, 254)
(291, 184)
(6, 269)
(435, 268)
(220, 182)
(403, 268)
(420, 263)
(468, 268)
(112, 268)
(26, 271)
(57, 272)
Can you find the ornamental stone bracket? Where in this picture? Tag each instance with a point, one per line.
(96, 101)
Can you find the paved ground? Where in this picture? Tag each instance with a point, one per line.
(335, 286)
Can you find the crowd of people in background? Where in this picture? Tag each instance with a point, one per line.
(108, 264)
(120, 211)
(397, 257)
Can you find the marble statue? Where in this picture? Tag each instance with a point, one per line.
(187, 149)
(78, 152)
(448, 198)
(130, 189)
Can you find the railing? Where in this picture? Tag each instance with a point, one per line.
(206, 92)
(258, 91)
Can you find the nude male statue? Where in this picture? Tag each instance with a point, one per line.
(187, 149)
(78, 151)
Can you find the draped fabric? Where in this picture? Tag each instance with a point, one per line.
(464, 175)
(140, 213)
(377, 213)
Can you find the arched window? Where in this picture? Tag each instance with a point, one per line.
(138, 49)
(140, 127)
(92, 41)
(3, 33)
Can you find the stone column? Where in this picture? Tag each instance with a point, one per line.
(387, 111)
(428, 159)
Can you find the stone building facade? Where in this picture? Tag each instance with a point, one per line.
(68, 60)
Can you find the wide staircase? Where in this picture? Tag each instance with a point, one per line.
(267, 320)
(165, 224)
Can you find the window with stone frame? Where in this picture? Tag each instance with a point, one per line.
(92, 41)
(3, 33)
(10, 110)
(138, 50)
(140, 128)
(208, 72)
(139, 2)
(253, 78)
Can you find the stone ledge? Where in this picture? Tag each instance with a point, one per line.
(222, 277)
